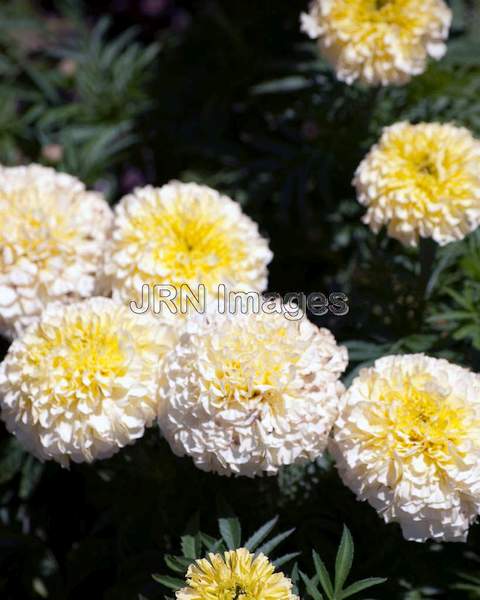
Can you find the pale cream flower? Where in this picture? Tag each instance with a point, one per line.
(422, 181)
(236, 574)
(408, 441)
(52, 238)
(184, 234)
(82, 381)
(246, 393)
(378, 42)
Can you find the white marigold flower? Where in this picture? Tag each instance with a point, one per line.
(236, 574)
(378, 42)
(82, 381)
(408, 441)
(246, 393)
(184, 234)
(422, 181)
(52, 238)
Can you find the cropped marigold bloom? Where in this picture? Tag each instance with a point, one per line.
(245, 394)
(408, 441)
(422, 181)
(184, 234)
(52, 242)
(236, 575)
(378, 42)
(82, 381)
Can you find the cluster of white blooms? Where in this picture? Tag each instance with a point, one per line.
(422, 181)
(52, 242)
(245, 394)
(408, 441)
(184, 234)
(378, 42)
(82, 381)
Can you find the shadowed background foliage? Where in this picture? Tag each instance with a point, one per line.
(231, 94)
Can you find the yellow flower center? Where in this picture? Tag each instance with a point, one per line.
(79, 357)
(434, 172)
(190, 244)
(428, 168)
(252, 369)
(379, 4)
(423, 419)
(377, 13)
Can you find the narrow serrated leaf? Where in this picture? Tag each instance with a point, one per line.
(179, 564)
(295, 577)
(278, 562)
(310, 586)
(189, 546)
(208, 541)
(231, 531)
(471, 578)
(212, 544)
(344, 560)
(274, 542)
(168, 581)
(466, 587)
(261, 533)
(323, 576)
(360, 585)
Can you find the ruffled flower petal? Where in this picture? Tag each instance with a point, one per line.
(408, 441)
(378, 42)
(235, 574)
(183, 234)
(245, 394)
(52, 241)
(422, 181)
(82, 381)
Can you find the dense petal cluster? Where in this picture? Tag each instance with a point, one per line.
(408, 441)
(422, 181)
(52, 241)
(82, 381)
(246, 393)
(237, 574)
(378, 42)
(184, 235)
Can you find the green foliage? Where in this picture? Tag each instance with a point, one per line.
(455, 311)
(71, 97)
(196, 544)
(334, 589)
(469, 584)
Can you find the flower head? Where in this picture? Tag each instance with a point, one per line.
(422, 181)
(82, 381)
(246, 393)
(52, 238)
(184, 234)
(378, 42)
(408, 441)
(236, 575)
